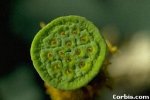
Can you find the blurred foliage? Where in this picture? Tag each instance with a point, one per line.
(19, 22)
(20, 85)
(129, 15)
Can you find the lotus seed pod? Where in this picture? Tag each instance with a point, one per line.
(68, 52)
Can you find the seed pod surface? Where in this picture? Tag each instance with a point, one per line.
(68, 52)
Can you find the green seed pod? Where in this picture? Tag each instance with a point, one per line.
(68, 52)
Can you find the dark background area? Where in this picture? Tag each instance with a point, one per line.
(19, 22)
(15, 57)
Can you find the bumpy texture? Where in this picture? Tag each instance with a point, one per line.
(68, 52)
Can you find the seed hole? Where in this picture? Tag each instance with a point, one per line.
(68, 71)
(74, 32)
(55, 66)
(62, 33)
(68, 59)
(49, 55)
(61, 53)
(82, 64)
(68, 43)
(83, 39)
(77, 52)
(89, 49)
(53, 42)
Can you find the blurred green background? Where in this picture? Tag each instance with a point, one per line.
(19, 22)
